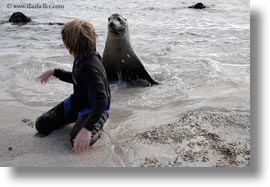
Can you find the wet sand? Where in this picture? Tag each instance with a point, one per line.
(199, 138)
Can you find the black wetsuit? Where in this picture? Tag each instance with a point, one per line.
(88, 106)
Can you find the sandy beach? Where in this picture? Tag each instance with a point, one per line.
(206, 137)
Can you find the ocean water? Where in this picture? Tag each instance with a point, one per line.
(200, 57)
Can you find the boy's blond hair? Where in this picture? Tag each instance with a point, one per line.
(79, 37)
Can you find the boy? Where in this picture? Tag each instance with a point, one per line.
(88, 106)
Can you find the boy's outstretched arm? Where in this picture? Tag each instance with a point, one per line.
(44, 77)
(63, 75)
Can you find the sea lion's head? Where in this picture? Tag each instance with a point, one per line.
(19, 18)
(117, 24)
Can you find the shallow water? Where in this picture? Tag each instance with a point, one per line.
(200, 57)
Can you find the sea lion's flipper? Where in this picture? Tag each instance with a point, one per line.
(141, 73)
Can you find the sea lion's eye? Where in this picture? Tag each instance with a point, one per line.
(119, 19)
(109, 18)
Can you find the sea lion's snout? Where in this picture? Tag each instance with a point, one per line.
(117, 24)
(114, 24)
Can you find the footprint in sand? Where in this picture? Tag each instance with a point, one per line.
(29, 122)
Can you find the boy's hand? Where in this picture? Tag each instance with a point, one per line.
(44, 77)
(82, 141)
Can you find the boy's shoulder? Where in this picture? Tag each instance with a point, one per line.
(94, 61)
(95, 56)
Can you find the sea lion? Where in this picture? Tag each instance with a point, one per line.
(198, 6)
(119, 59)
(18, 18)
